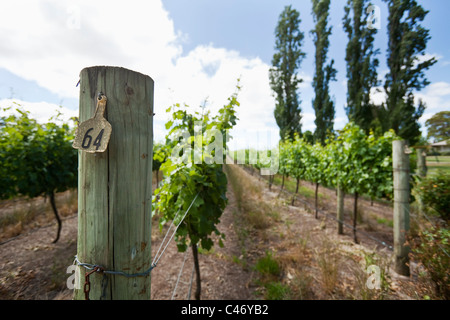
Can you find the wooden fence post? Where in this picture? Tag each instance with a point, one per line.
(115, 186)
(340, 209)
(401, 206)
(421, 162)
(422, 173)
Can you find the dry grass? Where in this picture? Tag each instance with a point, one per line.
(313, 262)
(20, 215)
(263, 218)
(255, 211)
(295, 259)
(328, 259)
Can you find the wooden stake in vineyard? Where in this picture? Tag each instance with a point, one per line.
(421, 162)
(421, 173)
(115, 186)
(340, 209)
(400, 159)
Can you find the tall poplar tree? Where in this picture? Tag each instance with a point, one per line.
(407, 64)
(361, 64)
(283, 75)
(322, 103)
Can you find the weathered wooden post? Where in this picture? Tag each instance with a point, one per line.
(401, 206)
(421, 162)
(422, 173)
(115, 186)
(340, 210)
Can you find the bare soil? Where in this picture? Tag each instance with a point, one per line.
(32, 267)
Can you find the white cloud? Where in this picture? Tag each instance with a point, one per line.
(437, 99)
(439, 89)
(308, 122)
(40, 43)
(436, 96)
(425, 117)
(378, 95)
(340, 122)
(40, 111)
(52, 41)
(307, 80)
(426, 57)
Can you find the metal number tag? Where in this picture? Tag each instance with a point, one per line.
(93, 135)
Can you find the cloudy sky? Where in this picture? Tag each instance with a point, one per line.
(194, 51)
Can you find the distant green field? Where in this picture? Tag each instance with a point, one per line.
(435, 163)
(438, 158)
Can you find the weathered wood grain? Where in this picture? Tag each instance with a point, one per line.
(115, 187)
(401, 206)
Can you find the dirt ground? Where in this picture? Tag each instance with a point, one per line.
(32, 267)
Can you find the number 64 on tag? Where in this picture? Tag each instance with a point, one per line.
(93, 135)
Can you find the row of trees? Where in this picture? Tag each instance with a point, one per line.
(36, 159)
(352, 162)
(406, 61)
(356, 163)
